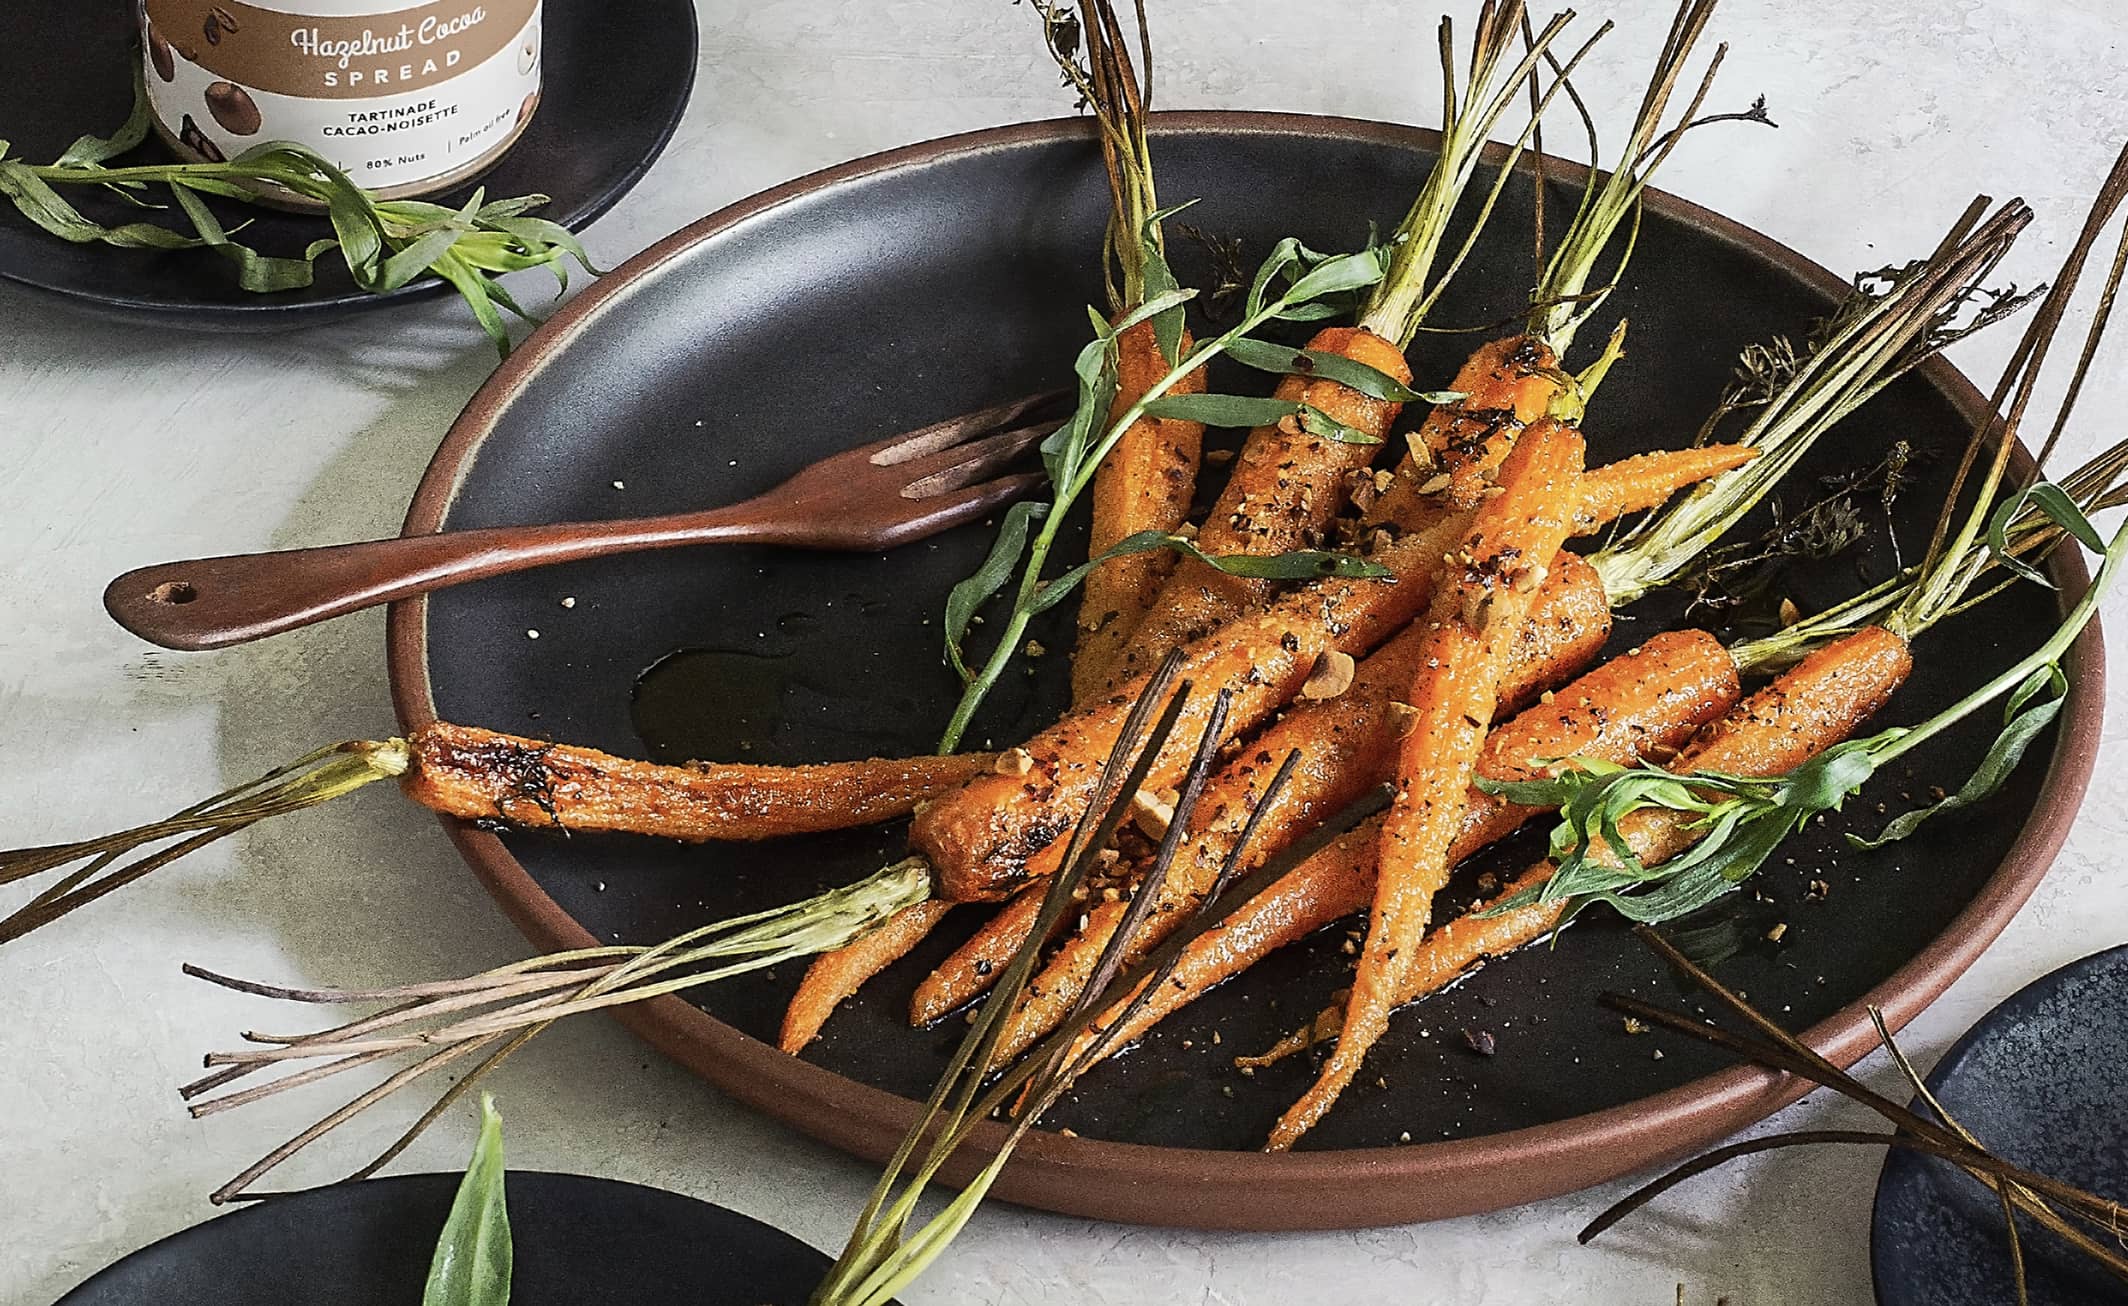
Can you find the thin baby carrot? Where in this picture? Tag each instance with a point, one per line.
(1496, 572)
(485, 775)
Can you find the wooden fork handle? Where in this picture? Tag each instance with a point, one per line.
(206, 603)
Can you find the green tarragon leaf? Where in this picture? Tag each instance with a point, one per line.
(472, 1263)
(1348, 372)
(2029, 711)
(981, 586)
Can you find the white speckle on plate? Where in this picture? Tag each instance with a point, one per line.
(531, 634)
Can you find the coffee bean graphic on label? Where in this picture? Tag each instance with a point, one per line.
(190, 136)
(159, 55)
(218, 21)
(233, 107)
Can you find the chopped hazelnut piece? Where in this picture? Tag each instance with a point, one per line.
(1332, 675)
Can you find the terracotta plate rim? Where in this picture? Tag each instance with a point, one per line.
(1203, 1188)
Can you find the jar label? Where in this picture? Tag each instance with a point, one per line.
(394, 99)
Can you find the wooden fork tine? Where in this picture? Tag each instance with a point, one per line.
(976, 500)
(931, 439)
(964, 464)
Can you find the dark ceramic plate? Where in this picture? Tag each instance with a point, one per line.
(2043, 1081)
(576, 1239)
(67, 67)
(901, 289)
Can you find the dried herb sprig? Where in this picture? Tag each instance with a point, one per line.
(2085, 1220)
(384, 243)
(1731, 576)
(1878, 334)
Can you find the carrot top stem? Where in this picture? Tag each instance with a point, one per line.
(1087, 42)
(1562, 299)
(1469, 112)
(1893, 320)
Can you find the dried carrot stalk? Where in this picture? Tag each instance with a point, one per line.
(1497, 571)
(1144, 484)
(484, 775)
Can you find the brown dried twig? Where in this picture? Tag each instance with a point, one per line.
(2087, 1221)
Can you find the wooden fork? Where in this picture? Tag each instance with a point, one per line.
(873, 497)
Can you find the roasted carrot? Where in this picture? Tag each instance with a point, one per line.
(1506, 384)
(1288, 482)
(995, 834)
(1646, 480)
(1807, 709)
(1347, 742)
(1148, 478)
(1648, 701)
(484, 775)
(1144, 484)
(1281, 494)
(968, 974)
(1495, 573)
(837, 975)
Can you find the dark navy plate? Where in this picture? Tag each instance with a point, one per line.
(578, 1240)
(2042, 1080)
(66, 67)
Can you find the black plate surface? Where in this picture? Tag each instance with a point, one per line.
(67, 67)
(577, 1240)
(2042, 1080)
(908, 293)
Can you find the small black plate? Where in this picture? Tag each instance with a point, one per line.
(66, 67)
(2042, 1080)
(577, 1240)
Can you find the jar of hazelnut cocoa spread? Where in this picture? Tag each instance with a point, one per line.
(406, 99)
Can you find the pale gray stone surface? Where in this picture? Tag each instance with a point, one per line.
(120, 446)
